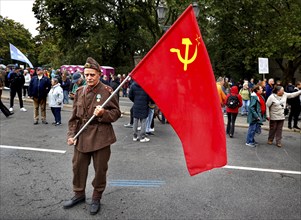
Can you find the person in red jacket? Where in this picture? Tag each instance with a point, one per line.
(232, 111)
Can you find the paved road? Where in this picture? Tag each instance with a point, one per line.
(146, 181)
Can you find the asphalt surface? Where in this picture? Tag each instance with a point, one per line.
(146, 180)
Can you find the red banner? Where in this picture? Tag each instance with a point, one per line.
(177, 74)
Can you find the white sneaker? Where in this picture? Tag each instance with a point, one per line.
(23, 109)
(128, 125)
(135, 139)
(251, 145)
(11, 109)
(151, 129)
(145, 140)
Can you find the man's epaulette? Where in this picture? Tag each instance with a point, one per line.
(109, 89)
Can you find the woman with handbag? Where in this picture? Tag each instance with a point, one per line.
(276, 105)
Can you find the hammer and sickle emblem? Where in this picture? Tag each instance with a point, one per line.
(185, 61)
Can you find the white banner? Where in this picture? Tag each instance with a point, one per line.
(263, 65)
(16, 54)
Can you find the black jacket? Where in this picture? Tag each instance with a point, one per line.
(66, 84)
(141, 101)
(294, 102)
(16, 80)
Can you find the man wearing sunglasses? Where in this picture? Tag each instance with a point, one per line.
(94, 142)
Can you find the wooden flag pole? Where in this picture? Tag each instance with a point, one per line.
(110, 97)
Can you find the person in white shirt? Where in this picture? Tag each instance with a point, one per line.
(55, 100)
(275, 106)
(26, 84)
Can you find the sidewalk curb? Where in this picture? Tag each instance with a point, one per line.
(66, 107)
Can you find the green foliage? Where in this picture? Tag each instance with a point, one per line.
(109, 31)
(242, 31)
(236, 33)
(15, 33)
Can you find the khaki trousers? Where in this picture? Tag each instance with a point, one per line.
(39, 103)
(81, 162)
(276, 130)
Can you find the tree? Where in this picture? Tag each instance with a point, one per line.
(114, 31)
(15, 33)
(244, 30)
(110, 31)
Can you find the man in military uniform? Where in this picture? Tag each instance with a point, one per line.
(94, 142)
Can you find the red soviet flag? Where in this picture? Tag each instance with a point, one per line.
(177, 74)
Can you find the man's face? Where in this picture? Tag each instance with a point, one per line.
(79, 81)
(92, 76)
(40, 72)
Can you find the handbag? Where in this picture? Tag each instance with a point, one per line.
(286, 111)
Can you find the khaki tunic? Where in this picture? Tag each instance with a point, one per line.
(99, 133)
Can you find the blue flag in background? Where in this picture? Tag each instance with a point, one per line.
(16, 54)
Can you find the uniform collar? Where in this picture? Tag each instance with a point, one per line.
(92, 89)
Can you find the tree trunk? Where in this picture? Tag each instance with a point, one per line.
(289, 68)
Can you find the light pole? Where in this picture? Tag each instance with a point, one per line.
(196, 9)
(161, 13)
(162, 10)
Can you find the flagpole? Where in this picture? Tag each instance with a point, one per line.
(108, 99)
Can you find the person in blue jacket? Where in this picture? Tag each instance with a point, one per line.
(38, 90)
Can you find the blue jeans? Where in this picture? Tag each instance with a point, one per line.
(251, 133)
(66, 96)
(245, 106)
(124, 93)
(149, 119)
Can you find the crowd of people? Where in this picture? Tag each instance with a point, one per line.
(260, 102)
(60, 86)
(90, 89)
(40, 84)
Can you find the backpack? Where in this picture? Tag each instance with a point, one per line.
(232, 101)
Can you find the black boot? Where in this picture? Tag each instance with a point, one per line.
(94, 207)
(74, 201)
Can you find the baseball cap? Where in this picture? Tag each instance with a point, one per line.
(76, 77)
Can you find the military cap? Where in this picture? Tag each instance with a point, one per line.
(91, 63)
